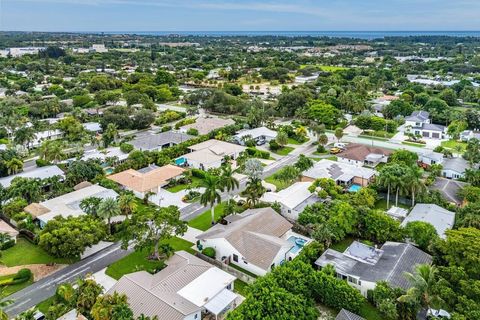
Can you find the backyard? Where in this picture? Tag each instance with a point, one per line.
(453, 145)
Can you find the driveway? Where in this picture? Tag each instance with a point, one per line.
(191, 234)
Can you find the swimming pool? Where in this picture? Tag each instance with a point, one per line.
(297, 242)
(354, 188)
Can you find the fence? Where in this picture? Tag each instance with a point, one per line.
(237, 273)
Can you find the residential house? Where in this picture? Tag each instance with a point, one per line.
(5, 228)
(39, 172)
(260, 135)
(209, 154)
(157, 141)
(103, 155)
(185, 289)
(94, 127)
(67, 205)
(419, 123)
(430, 157)
(469, 134)
(363, 266)
(347, 315)
(205, 125)
(449, 189)
(363, 155)
(343, 173)
(255, 240)
(441, 219)
(454, 168)
(145, 180)
(306, 79)
(42, 136)
(293, 199)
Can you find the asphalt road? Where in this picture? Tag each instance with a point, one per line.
(45, 288)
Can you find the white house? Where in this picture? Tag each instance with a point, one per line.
(363, 266)
(261, 134)
(185, 290)
(342, 173)
(454, 168)
(255, 240)
(209, 154)
(46, 135)
(442, 219)
(469, 134)
(419, 123)
(94, 127)
(430, 157)
(39, 172)
(293, 199)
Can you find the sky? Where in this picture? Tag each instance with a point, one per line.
(240, 15)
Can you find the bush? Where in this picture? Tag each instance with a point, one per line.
(184, 122)
(23, 274)
(209, 252)
(42, 163)
(321, 149)
(7, 244)
(166, 128)
(274, 146)
(258, 153)
(126, 147)
(192, 132)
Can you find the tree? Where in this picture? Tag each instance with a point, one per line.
(421, 233)
(227, 181)
(456, 127)
(462, 249)
(303, 163)
(211, 195)
(405, 157)
(72, 129)
(414, 182)
(149, 230)
(127, 203)
(111, 307)
(472, 152)
(81, 170)
(473, 176)
(338, 133)
(323, 113)
(282, 138)
(253, 168)
(90, 205)
(469, 215)
(254, 191)
(52, 150)
(24, 136)
(422, 291)
(142, 119)
(109, 135)
(107, 209)
(87, 293)
(287, 174)
(389, 178)
(292, 100)
(68, 237)
(14, 166)
(379, 227)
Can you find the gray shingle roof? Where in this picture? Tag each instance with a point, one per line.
(433, 127)
(156, 141)
(418, 116)
(397, 258)
(347, 315)
(455, 164)
(440, 218)
(449, 189)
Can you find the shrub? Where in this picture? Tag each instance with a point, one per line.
(258, 153)
(184, 122)
(126, 147)
(209, 252)
(192, 131)
(41, 163)
(274, 146)
(166, 128)
(23, 274)
(7, 244)
(321, 149)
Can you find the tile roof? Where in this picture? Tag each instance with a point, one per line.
(347, 315)
(255, 233)
(157, 140)
(206, 125)
(359, 152)
(145, 181)
(396, 259)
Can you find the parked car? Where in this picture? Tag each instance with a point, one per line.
(340, 145)
(335, 150)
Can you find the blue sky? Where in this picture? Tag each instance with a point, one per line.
(243, 15)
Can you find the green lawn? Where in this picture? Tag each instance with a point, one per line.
(382, 203)
(9, 289)
(452, 144)
(373, 137)
(332, 158)
(342, 245)
(324, 67)
(181, 187)
(283, 151)
(278, 183)
(293, 141)
(204, 221)
(138, 260)
(234, 266)
(369, 312)
(413, 144)
(45, 304)
(25, 252)
(240, 287)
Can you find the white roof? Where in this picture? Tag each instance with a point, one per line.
(106, 153)
(206, 286)
(92, 126)
(257, 132)
(291, 196)
(337, 171)
(440, 218)
(220, 301)
(69, 204)
(397, 212)
(40, 172)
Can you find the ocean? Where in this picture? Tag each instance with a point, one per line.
(368, 35)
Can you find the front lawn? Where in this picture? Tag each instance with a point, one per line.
(453, 144)
(24, 252)
(293, 141)
(283, 151)
(278, 183)
(204, 221)
(138, 260)
(413, 144)
(180, 187)
(9, 289)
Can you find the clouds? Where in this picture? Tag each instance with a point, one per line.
(144, 15)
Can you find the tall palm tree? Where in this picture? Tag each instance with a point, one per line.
(24, 136)
(254, 191)
(108, 209)
(90, 205)
(414, 182)
(422, 281)
(228, 181)
(386, 179)
(127, 203)
(52, 150)
(14, 165)
(211, 195)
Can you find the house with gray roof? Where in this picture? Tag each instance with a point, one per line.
(454, 168)
(441, 219)
(157, 141)
(430, 157)
(469, 134)
(39, 172)
(255, 240)
(419, 123)
(184, 290)
(342, 173)
(363, 266)
(449, 189)
(347, 315)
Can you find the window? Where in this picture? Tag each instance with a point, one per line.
(352, 280)
(196, 316)
(235, 258)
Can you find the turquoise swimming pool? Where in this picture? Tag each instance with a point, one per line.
(297, 242)
(354, 188)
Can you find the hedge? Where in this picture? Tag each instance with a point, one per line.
(23, 275)
(253, 152)
(7, 244)
(209, 252)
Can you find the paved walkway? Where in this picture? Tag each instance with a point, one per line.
(104, 280)
(191, 234)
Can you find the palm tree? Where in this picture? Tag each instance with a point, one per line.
(90, 205)
(414, 182)
(66, 293)
(14, 165)
(211, 194)
(323, 139)
(24, 136)
(228, 181)
(386, 179)
(108, 209)
(282, 138)
(338, 133)
(3, 304)
(127, 202)
(110, 134)
(254, 191)
(52, 150)
(423, 281)
(27, 314)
